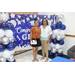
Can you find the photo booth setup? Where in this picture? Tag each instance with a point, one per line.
(15, 34)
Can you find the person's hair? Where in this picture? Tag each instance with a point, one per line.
(46, 21)
(35, 20)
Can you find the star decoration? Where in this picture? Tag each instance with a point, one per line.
(38, 18)
(23, 21)
(19, 16)
(19, 22)
(12, 15)
(31, 16)
(34, 16)
(48, 16)
(27, 18)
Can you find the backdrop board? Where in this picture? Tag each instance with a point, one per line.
(22, 25)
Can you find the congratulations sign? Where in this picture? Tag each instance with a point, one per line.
(22, 25)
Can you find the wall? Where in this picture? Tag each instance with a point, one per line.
(69, 21)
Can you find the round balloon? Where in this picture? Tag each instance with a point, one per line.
(63, 27)
(11, 46)
(50, 53)
(53, 36)
(11, 39)
(58, 37)
(61, 42)
(63, 36)
(2, 48)
(52, 45)
(53, 27)
(10, 26)
(60, 51)
(56, 32)
(4, 25)
(57, 46)
(5, 40)
(4, 16)
(53, 50)
(61, 54)
(56, 54)
(61, 32)
(9, 33)
(6, 54)
(55, 41)
(11, 58)
(12, 52)
(2, 59)
(2, 33)
(59, 24)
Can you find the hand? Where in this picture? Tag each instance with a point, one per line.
(47, 41)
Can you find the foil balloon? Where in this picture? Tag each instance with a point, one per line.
(53, 36)
(58, 37)
(60, 51)
(11, 39)
(53, 50)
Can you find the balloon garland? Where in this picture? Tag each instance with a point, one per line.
(7, 47)
(57, 38)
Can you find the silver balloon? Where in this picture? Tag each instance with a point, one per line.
(5, 40)
(53, 36)
(60, 51)
(2, 59)
(11, 39)
(58, 37)
(11, 58)
(53, 50)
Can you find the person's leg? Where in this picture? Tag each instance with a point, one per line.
(46, 50)
(34, 53)
(42, 43)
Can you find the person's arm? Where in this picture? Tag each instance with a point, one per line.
(30, 36)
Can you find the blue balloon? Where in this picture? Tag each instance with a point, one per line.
(55, 41)
(11, 46)
(10, 26)
(53, 27)
(63, 27)
(56, 54)
(11, 61)
(4, 25)
(59, 24)
(2, 47)
(61, 54)
(0, 25)
(50, 53)
(61, 42)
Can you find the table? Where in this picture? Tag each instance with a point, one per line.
(61, 59)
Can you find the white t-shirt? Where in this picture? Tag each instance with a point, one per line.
(45, 32)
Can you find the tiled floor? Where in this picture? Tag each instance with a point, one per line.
(28, 57)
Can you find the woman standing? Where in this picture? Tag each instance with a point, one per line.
(35, 37)
(45, 37)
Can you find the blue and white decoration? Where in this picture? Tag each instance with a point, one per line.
(7, 46)
(57, 38)
(22, 25)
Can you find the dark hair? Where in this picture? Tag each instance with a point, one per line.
(35, 20)
(46, 21)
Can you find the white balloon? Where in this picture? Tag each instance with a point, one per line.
(2, 33)
(8, 33)
(52, 45)
(12, 52)
(53, 50)
(63, 36)
(6, 54)
(2, 59)
(11, 58)
(61, 46)
(1, 54)
(4, 17)
(56, 32)
(57, 46)
(61, 32)
(60, 51)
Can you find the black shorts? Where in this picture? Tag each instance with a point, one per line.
(38, 42)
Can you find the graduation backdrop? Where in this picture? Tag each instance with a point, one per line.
(22, 25)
